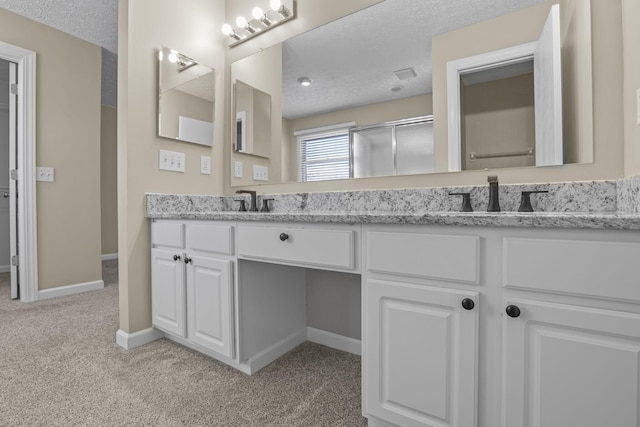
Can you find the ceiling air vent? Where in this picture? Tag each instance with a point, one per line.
(405, 74)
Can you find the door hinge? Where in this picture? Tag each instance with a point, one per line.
(14, 260)
(13, 88)
(13, 174)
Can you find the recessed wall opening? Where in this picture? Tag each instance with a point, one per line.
(498, 117)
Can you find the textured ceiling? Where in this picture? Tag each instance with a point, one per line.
(95, 21)
(351, 60)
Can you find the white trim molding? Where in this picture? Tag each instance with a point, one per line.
(339, 342)
(63, 291)
(27, 232)
(136, 339)
(107, 257)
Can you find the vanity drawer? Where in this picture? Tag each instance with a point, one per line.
(603, 269)
(210, 238)
(167, 233)
(429, 256)
(305, 246)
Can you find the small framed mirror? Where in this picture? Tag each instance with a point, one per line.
(186, 98)
(252, 109)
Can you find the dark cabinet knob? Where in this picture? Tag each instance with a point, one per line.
(176, 257)
(512, 311)
(284, 236)
(468, 304)
(187, 260)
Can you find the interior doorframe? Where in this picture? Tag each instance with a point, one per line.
(26, 153)
(455, 68)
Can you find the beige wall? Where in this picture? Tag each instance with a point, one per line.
(498, 117)
(68, 140)
(144, 25)
(108, 179)
(607, 99)
(631, 31)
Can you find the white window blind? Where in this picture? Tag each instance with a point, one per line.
(323, 154)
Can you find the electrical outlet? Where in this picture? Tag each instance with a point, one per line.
(237, 170)
(44, 174)
(260, 173)
(205, 165)
(171, 161)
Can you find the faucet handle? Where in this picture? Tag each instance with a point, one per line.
(243, 206)
(466, 201)
(525, 201)
(265, 205)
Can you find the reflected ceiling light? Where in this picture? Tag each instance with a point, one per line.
(182, 61)
(305, 81)
(280, 11)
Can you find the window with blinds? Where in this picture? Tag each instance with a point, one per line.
(323, 154)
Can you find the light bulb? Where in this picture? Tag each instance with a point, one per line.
(275, 4)
(227, 29)
(241, 22)
(257, 12)
(173, 57)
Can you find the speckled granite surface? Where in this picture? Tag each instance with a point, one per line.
(592, 204)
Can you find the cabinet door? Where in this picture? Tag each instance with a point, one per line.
(168, 291)
(570, 366)
(420, 355)
(209, 304)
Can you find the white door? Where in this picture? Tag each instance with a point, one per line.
(547, 75)
(209, 304)
(168, 307)
(570, 366)
(421, 355)
(13, 183)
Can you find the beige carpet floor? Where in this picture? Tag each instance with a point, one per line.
(60, 366)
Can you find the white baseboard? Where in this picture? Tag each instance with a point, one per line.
(136, 339)
(5, 268)
(70, 290)
(107, 257)
(339, 342)
(276, 350)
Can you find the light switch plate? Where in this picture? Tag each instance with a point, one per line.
(205, 165)
(237, 170)
(45, 174)
(171, 161)
(260, 173)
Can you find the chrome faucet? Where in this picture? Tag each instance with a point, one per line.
(494, 202)
(254, 205)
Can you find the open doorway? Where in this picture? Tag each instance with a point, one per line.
(17, 172)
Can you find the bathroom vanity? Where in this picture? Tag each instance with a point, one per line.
(510, 320)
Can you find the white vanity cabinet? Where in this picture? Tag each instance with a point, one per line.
(571, 329)
(420, 326)
(192, 283)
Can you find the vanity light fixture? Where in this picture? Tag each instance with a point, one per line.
(242, 22)
(305, 81)
(182, 61)
(280, 11)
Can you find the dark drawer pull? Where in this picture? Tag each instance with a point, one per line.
(284, 236)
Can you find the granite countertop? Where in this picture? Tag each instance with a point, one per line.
(606, 220)
(586, 205)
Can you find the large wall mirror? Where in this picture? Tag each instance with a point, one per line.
(186, 98)
(388, 63)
